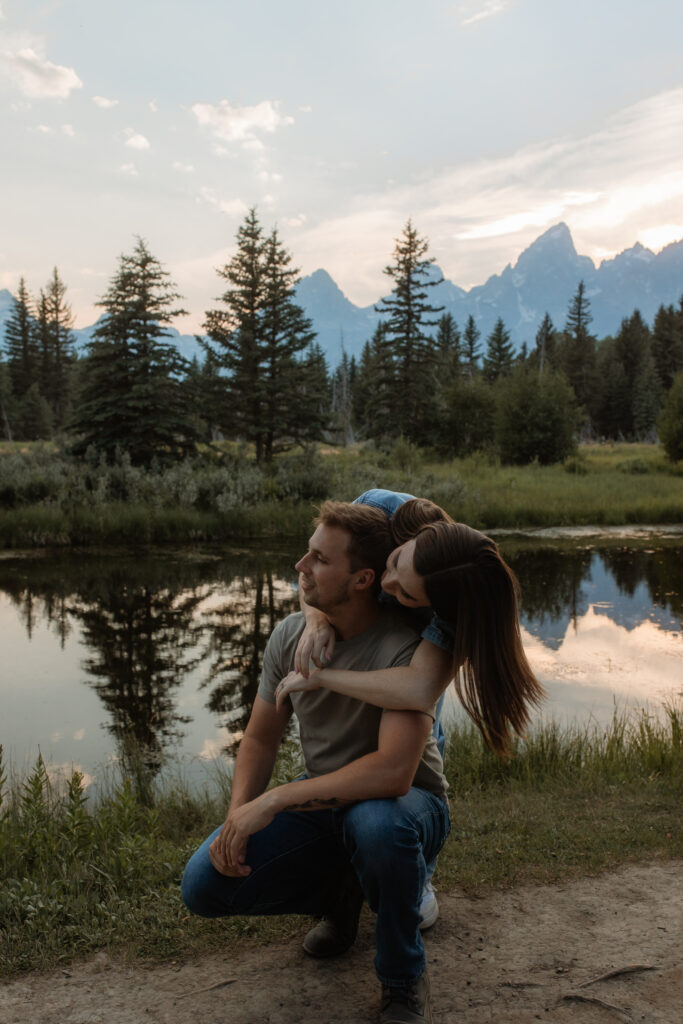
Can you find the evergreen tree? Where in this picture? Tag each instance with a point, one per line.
(578, 351)
(236, 330)
(343, 380)
(131, 395)
(373, 393)
(499, 353)
(311, 398)
(633, 345)
(612, 409)
(408, 315)
(6, 403)
(667, 344)
(471, 347)
(56, 341)
(259, 333)
(448, 349)
(20, 343)
(545, 344)
(285, 331)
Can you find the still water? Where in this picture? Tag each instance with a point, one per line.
(164, 649)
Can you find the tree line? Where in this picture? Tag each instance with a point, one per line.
(263, 379)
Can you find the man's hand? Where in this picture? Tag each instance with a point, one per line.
(229, 849)
(316, 644)
(295, 683)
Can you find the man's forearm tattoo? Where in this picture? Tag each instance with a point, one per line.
(316, 804)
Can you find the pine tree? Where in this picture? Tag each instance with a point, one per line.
(259, 332)
(373, 393)
(236, 330)
(667, 344)
(471, 347)
(413, 353)
(448, 347)
(131, 395)
(499, 353)
(285, 331)
(579, 351)
(310, 399)
(342, 399)
(21, 343)
(56, 342)
(545, 344)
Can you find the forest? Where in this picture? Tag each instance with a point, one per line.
(263, 380)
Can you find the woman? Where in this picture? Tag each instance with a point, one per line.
(472, 637)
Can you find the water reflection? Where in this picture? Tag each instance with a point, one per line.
(171, 645)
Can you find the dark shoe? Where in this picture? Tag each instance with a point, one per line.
(337, 931)
(409, 1005)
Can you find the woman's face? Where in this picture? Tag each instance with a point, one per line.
(400, 579)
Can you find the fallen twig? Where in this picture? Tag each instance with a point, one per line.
(580, 998)
(630, 969)
(208, 988)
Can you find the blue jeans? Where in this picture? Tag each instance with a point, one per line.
(297, 860)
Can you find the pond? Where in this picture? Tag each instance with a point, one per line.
(160, 651)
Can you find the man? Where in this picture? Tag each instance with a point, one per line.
(372, 806)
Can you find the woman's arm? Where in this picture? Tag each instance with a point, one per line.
(414, 687)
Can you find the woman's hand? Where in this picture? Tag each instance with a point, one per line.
(295, 683)
(316, 644)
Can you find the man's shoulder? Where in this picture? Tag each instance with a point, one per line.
(391, 636)
(287, 630)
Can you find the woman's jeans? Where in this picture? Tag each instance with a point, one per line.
(297, 861)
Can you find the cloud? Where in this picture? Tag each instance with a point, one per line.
(129, 169)
(178, 165)
(610, 185)
(68, 129)
(241, 124)
(38, 78)
(230, 207)
(137, 141)
(104, 103)
(478, 10)
(153, 106)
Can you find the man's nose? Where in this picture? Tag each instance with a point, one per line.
(301, 564)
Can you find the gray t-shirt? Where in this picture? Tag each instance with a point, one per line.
(335, 729)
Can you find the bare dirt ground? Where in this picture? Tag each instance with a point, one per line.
(547, 953)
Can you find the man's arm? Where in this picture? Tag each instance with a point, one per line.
(251, 774)
(387, 772)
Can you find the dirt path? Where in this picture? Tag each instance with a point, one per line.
(509, 958)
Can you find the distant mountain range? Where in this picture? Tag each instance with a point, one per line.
(543, 280)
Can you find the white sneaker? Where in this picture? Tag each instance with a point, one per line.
(429, 908)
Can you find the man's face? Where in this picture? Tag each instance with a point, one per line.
(325, 576)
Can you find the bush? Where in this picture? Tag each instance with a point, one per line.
(536, 418)
(670, 422)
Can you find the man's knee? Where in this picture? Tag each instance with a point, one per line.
(375, 829)
(198, 887)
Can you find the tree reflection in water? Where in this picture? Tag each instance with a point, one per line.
(148, 623)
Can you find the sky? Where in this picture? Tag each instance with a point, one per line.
(484, 121)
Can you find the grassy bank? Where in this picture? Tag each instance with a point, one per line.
(78, 878)
(47, 499)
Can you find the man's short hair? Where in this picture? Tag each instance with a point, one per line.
(370, 537)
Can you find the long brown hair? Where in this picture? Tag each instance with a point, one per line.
(472, 589)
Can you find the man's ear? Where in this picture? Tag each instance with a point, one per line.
(365, 579)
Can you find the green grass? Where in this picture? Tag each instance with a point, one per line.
(79, 877)
(47, 499)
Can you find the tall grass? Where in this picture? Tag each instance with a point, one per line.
(82, 874)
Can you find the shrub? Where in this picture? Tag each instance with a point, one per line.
(536, 418)
(670, 422)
